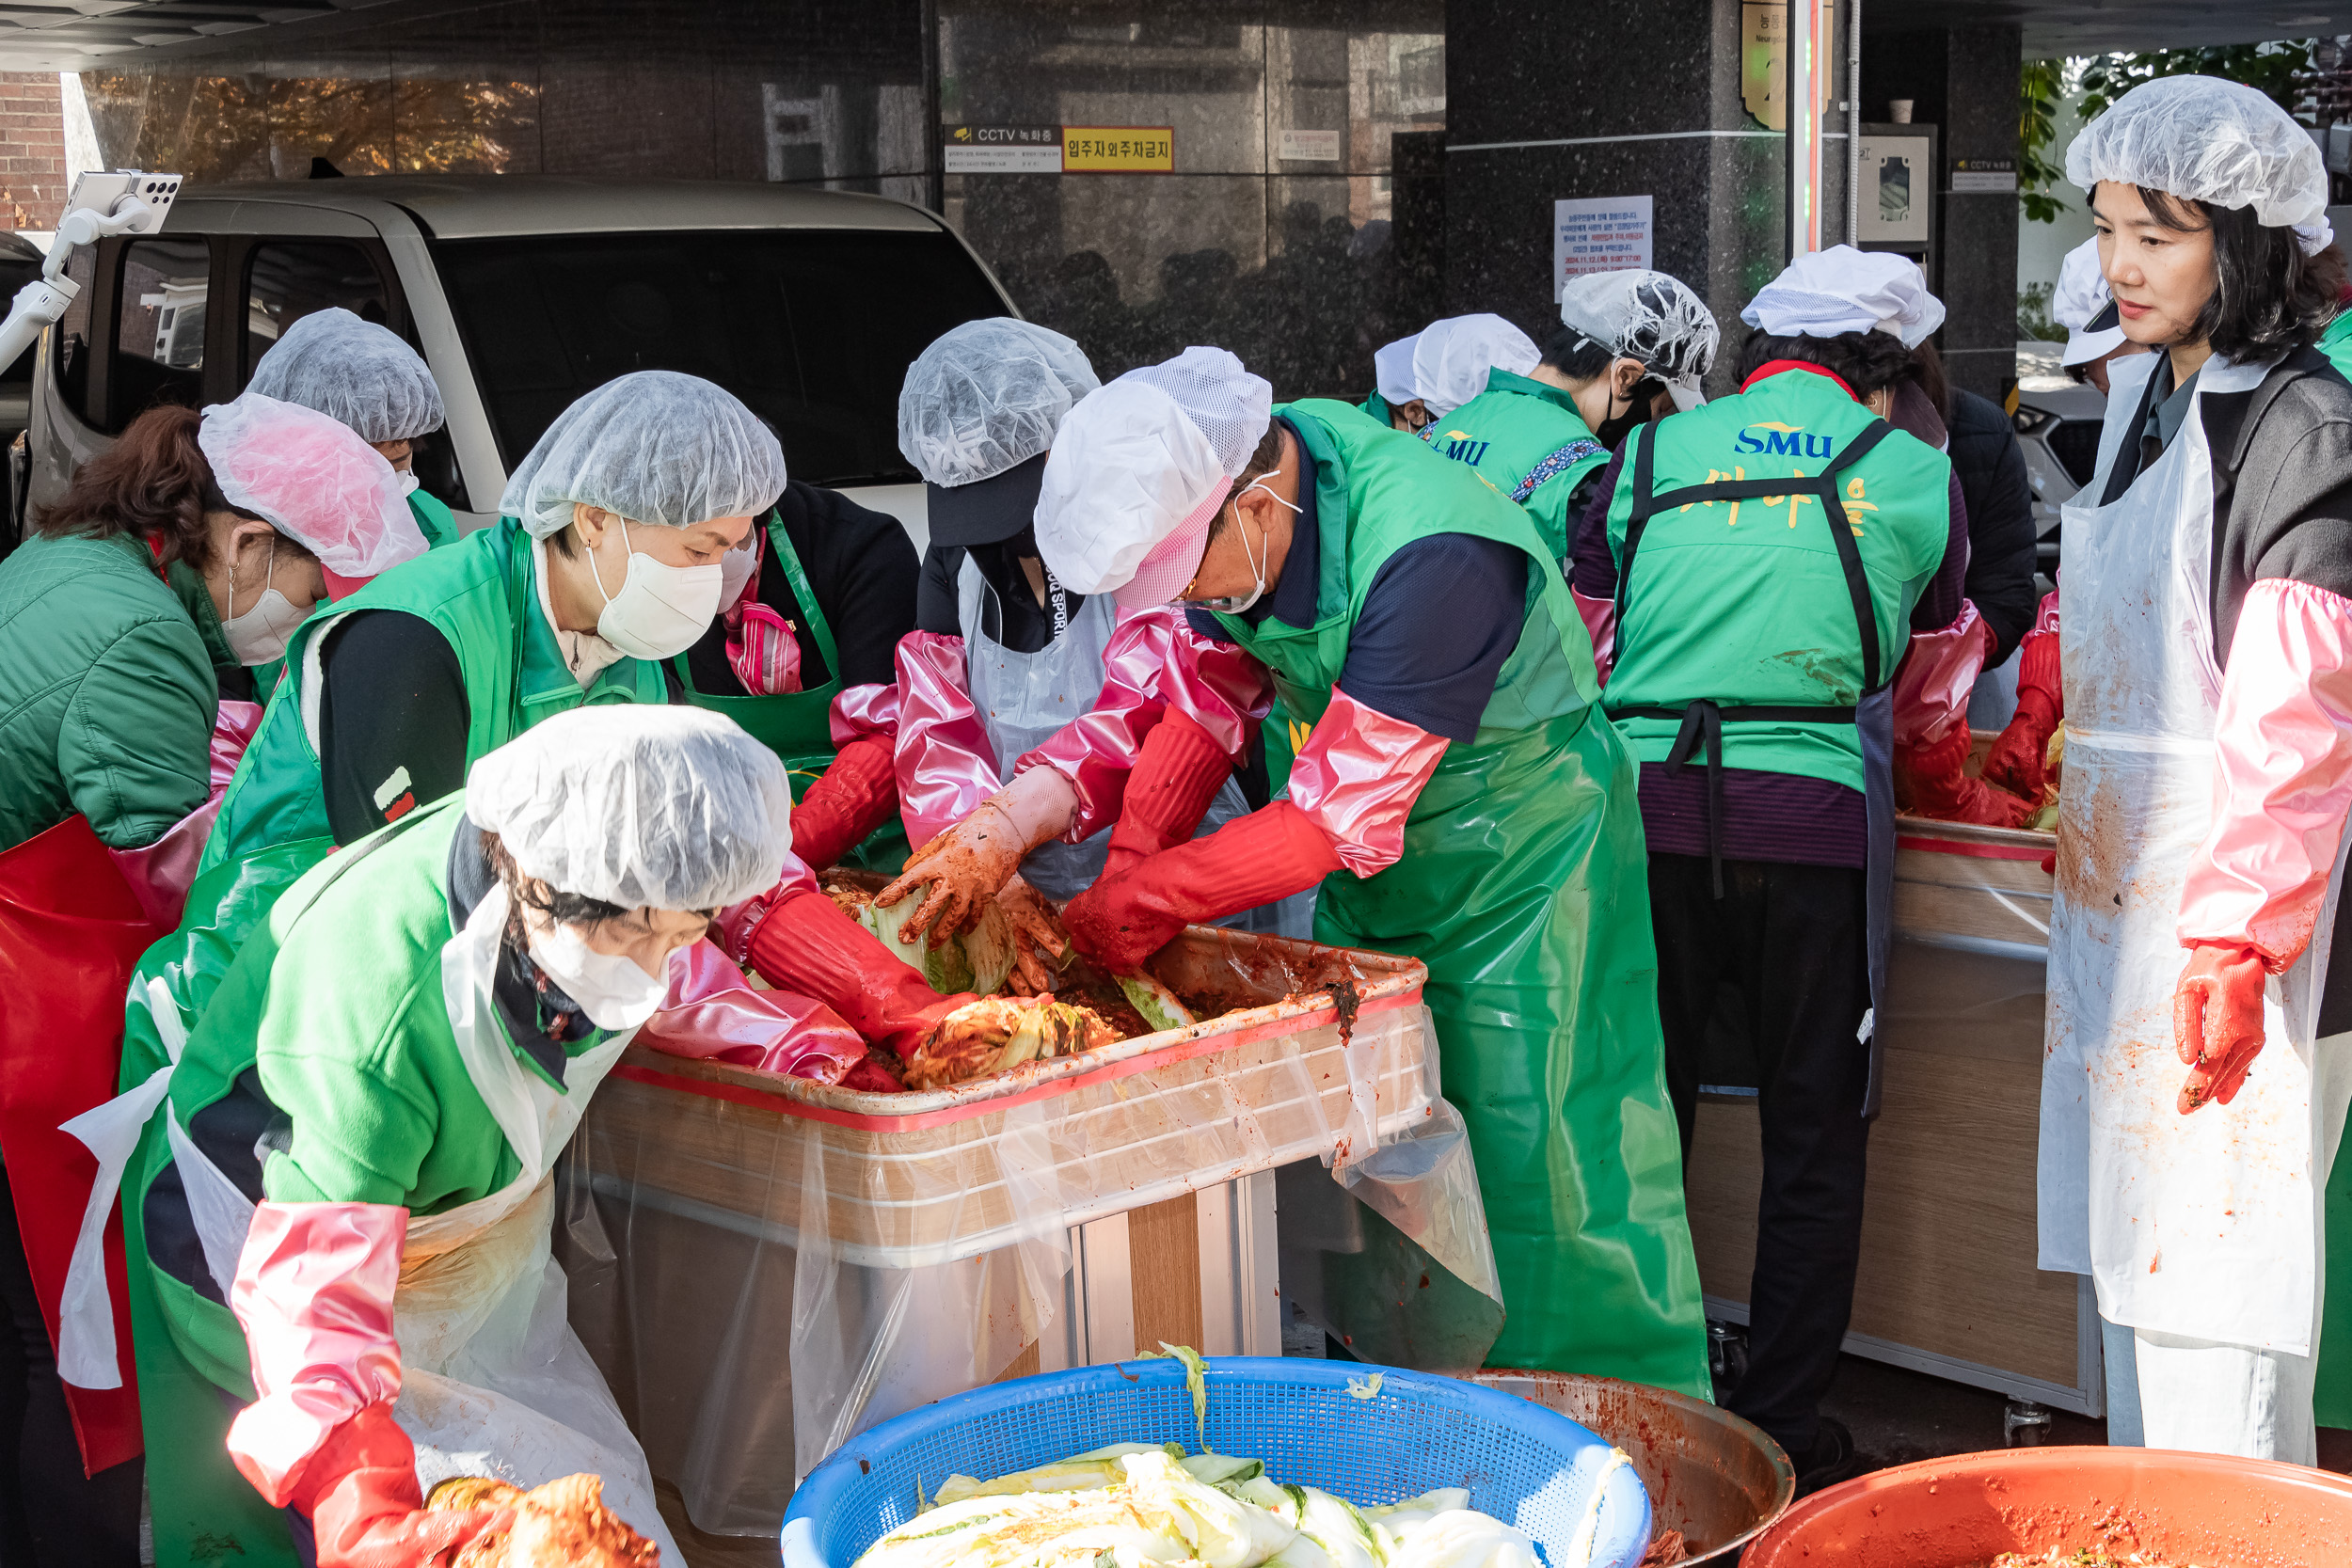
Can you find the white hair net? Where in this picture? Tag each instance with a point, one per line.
(1825, 294)
(2081, 294)
(639, 804)
(314, 479)
(659, 448)
(1453, 356)
(1639, 314)
(1142, 456)
(1392, 370)
(2204, 140)
(986, 397)
(352, 370)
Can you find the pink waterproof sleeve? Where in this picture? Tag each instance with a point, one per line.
(1153, 661)
(313, 1293)
(1600, 623)
(945, 764)
(713, 1013)
(1937, 674)
(1356, 778)
(2283, 774)
(159, 872)
(864, 711)
(2046, 618)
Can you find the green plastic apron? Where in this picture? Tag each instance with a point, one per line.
(1522, 856)
(798, 725)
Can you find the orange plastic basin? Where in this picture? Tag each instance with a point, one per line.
(2181, 1509)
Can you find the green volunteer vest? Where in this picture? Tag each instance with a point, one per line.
(434, 520)
(1753, 601)
(1528, 441)
(1522, 858)
(1377, 406)
(482, 595)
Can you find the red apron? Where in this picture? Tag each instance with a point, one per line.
(71, 932)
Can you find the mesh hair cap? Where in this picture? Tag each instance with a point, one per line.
(639, 804)
(655, 447)
(988, 396)
(2204, 140)
(1392, 370)
(1454, 357)
(1230, 407)
(352, 370)
(1638, 314)
(315, 481)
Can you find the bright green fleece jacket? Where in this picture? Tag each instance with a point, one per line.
(108, 692)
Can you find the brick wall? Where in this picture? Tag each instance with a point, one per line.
(32, 149)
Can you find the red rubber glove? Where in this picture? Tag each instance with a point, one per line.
(2218, 1021)
(2014, 763)
(857, 794)
(1939, 789)
(1269, 854)
(806, 945)
(359, 1492)
(1176, 776)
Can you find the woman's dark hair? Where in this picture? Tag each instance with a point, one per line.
(1865, 362)
(1577, 356)
(2268, 297)
(565, 908)
(153, 483)
(1263, 461)
(1929, 372)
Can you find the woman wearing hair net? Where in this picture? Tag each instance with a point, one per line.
(2206, 650)
(338, 1225)
(1459, 797)
(366, 376)
(1015, 696)
(1633, 346)
(178, 557)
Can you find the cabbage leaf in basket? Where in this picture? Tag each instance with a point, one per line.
(1459, 1538)
(1079, 1472)
(1156, 1513)
(978, 961)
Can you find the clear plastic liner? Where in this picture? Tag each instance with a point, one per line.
(765, 1266)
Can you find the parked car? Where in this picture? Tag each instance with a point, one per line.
(522, 292)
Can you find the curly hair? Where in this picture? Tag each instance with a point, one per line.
(1865, 362)
(152, 483)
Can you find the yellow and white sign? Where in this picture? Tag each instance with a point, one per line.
(1118, 150)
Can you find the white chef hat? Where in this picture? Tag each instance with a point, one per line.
(1825, 294)
(1640, 314)
(1138, 471)
(2081, 295)
(641, 805)
(1392, 370)
(2204, 140)
(1451, 358)
(315, 481)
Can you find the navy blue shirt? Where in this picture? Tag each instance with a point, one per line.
(1439, 620)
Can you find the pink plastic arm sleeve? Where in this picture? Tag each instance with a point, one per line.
(2046, 617)
(2283, 774)
(1154, 661)
(714, 1014)
(945, 763)
(1937, 674)
(1600, 623)
(1356, 778)
(159, 872)
(863, 710)
(315, 1293)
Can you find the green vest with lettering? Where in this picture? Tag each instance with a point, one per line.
(1746, 603)
(1527, 440)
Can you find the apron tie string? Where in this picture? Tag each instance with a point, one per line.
(1703, 722)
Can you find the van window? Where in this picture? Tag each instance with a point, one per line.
(286, 281)
(813, 328)
(72, 334)
(159, 328)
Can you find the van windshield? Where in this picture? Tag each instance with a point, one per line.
(813, 328)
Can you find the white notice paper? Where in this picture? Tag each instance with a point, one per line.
(1308, 147)
(1599, 233)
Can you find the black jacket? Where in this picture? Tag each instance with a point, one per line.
(1991, 467)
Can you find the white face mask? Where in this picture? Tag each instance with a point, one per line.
(259, 634)
(611, 990)
(735, 567)
(1233, 604)
(661, 609)
(407, 482)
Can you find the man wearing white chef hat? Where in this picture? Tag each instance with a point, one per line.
(1791, 515)
(1457, 799)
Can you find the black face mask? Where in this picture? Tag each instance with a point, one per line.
(1614, 429)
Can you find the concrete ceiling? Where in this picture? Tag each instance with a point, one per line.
(2098, 26)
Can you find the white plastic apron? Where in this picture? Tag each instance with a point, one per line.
(2200, 1226)
(1022, 699)
(493, 1380)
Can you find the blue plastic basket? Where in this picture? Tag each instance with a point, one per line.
(1523, 1463)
